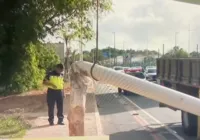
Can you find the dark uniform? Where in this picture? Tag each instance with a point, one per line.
(55, 95)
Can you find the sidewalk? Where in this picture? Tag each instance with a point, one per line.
(41, 129)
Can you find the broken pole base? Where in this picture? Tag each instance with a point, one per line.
(76, 121)
(76, 115)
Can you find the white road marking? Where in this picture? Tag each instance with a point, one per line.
(153, 118)
(174, 133)
(98, 120)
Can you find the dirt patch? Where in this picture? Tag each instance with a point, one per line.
(29, 103)
(32, 107)
(33, 103)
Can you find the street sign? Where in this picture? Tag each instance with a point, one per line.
(106, 54)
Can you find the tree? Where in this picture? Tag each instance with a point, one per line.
(176, 52)
(149, 61)
(80, 27)
(24, 22)
(75, 30)
(87, 56)
(31, 71)
(194, 54)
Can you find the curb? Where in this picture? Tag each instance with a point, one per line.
(98, 120)
(96, 113)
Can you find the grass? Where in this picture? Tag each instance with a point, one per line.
(12, 127)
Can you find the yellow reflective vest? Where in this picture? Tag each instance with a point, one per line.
(58, 81)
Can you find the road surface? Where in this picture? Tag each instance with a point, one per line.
(136, 117)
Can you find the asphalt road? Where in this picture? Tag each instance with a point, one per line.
(136, 117)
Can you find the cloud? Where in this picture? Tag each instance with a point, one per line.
(150, 23)
(153, 20)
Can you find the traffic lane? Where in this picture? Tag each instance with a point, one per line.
(123, 124)
(121, 120)
(166, 116)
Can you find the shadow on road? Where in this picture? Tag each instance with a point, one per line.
(113, 111)
(40, 127)
(108, 103)
(157, 133)
(132, 135)
(143, 102)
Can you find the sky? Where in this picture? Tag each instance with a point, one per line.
(148, 24)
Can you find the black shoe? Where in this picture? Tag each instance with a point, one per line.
(51, 123)
(61, 123)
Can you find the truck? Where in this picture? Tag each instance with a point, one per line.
(183, 75)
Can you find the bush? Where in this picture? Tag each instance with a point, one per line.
(47, 57)
(12, 127)
(28, 75)
(30, 70)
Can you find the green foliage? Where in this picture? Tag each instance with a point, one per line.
(149, 61)
(28, 75)
(24, 21)
(46, 56)
(80, 27)
(76, 29)
(12, 127)
(88, 55)
(23, 60)
(31, 68)
(176, 52)
(194, 54)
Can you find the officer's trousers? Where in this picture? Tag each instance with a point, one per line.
(55, 97)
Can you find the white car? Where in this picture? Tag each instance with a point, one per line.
(139, 75)
(126, 67)
(119, 68)
(151, 73)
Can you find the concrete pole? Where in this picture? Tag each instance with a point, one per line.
(189, 39)
(163, 49)
(114, 49)
(97, 30)
(144, 88)
(76, 114)
(124, 54)
(176, 33)
(78, 93)
(81, 44)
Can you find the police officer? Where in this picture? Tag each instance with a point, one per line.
(55, 93)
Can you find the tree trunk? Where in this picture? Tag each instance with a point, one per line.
(66, 63)
(66, 77)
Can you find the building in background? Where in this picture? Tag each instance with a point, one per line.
(119, 60)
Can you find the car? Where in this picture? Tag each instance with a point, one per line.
(126, 69)
(135, 69)
(136, 74)
(119, 68)
(149, 67)
(151, 73)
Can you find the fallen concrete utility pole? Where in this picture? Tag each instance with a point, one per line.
(150, 90)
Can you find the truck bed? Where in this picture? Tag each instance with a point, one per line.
(182, 71)
(182, 75)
